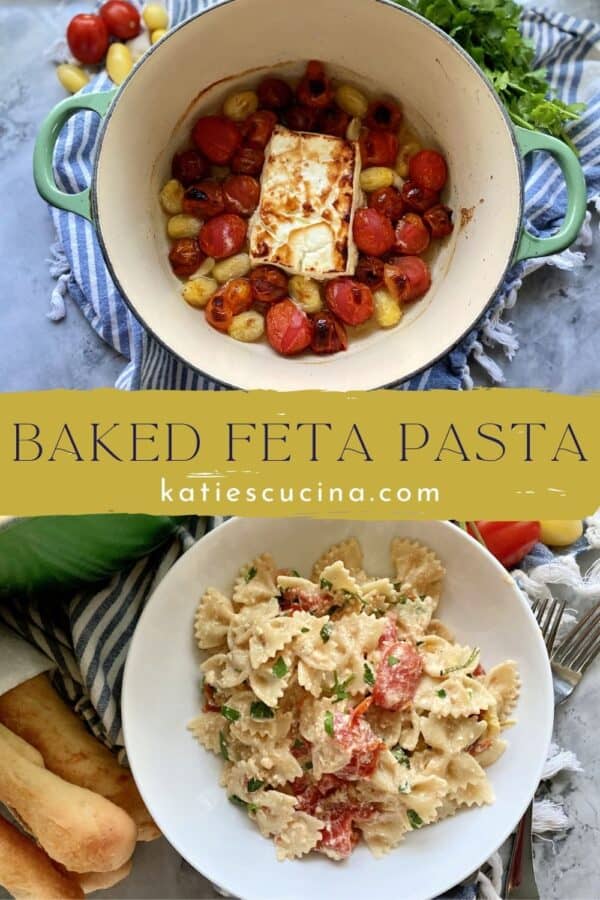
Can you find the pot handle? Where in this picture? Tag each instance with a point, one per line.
(45, 142)
(529, 245)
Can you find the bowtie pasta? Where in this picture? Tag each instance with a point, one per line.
(341, 707)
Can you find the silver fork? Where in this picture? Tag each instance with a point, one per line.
(575, 653)
(519, 881)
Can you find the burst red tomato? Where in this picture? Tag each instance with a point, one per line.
(258, 128)
(378, 148)
(356, 736)
(87, 37)
(428, 169)
(222, 235)
(204, 199)
(317, 602)
(121, 18)
(412, 236)
(373, 233)
(439, 221)
(384, 115)
(185, 256)
(289, 330)
(218, 312)
(248, 161)
(188, 167)
(241, 194)
(329, 335)
(418, 198)
(268, 284)
(388, 201)
(301, 118)
(334, 121)
(407, 278)
(339, 836)
(397, 676)
(314, 90)
(370, 271)
(217, 137)
(509, 542)
(274, 93)
(350, 300)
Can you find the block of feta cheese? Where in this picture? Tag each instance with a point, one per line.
(309, 190)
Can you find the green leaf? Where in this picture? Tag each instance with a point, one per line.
(326, 631)
(414, 818)
(339, 691)
(232, 715)
(250, 574)
(254, 784)
(325, 585)
(307, 766)
(328, 723)
(441, 693)
(392, 660)
(305, 630)
(223, 746)
(401, 756)
(249, 807)
(368, 674)
(280, 668)
(260, 710)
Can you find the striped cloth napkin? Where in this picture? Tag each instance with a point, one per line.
(570, 50)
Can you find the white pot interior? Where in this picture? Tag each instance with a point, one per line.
(388, 51)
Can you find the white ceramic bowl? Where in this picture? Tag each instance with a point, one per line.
(179, 780)
(388, 49)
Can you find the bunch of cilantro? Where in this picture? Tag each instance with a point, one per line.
(489, 31)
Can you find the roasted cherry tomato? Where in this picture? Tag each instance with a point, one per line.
(87, 37)
(329, 335)
(222, 235)
(418, 198)
(238, 295)
(439, 221)
(397, 676)
(258, 128)
(370, 271)
(315, 89)
(407, 278)
(373, 233)
(289, 330)
(428, 169)
(185, 256)
(268, 284)
(188, 167)
(317, 603)
(350, 300)
(218, 312)
(204, 199)
(121, 18)
(412, 236)
(274, 93)
(241, 193)
(384, 114)
(217, 137)
(378, 148)
(357, 736)
(333, 120)
(248, 161)
(388, 201)
(301, 118)
(509, 542)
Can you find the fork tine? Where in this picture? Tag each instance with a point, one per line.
(571, 645)
(591, 655)
(534, 606)
(540, 612)
(589, 639)
(554, 620)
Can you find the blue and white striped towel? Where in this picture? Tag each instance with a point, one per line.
(570, 50)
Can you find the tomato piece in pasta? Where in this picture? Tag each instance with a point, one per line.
(339, 836)
(398, 675)
(357, 736)
(317, 603)
(390, 634)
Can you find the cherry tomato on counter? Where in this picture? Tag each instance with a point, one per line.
(384, 114)
(388, 201)
(188, 167)
(222, 235)
(121, 18)
(248, 161)
(185, 256)
(204, 199)
(407, 278)
(329, 335)
(378, 148)
(217, 137)
(268, 284)
(439, 221)
(258, 128)
(314, 90)
(373, 233)
(87, 37)
(289, 330)
(370, 271)
(509, 542)
(428, 169)
(274, 93)
(350, 300)
(418, 198)
(412, 236)
(241, 194)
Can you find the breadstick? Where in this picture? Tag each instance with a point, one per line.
(100, 881)
(28, 873)
(22, 746)
(34, 711)
(77, 828)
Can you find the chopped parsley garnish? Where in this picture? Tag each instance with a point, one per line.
(249, 807)
(350, 595)
(232, 715)
(339, 688)
(393, 660)
(441, 693)
(397, 586)
(223, 747)
(325, 631)
(260, 710)
(307, 766)
(254, 784)
(401, 756)
(414, 818)
(368, 674)
(305, 630)
(328, 723)
(325, 585)
(280, 668)
(404, 788)
(250, 574)
(472, 657)
(298, 744)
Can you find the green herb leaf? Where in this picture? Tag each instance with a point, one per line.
(260, 710)
(305, 630)
(254, 784)
(232, 715)
(472, 657)
(280, 668)
(249, 807)
(325, 585)
(441, 693)
(250, 574)
(298, 744)
(404, 788)
(392, 660)
(368, 674)
(326, 631)
(328, 723)
(223, 746)
(307, 766)
(339, 691)
(414, 818)
(401, 756)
